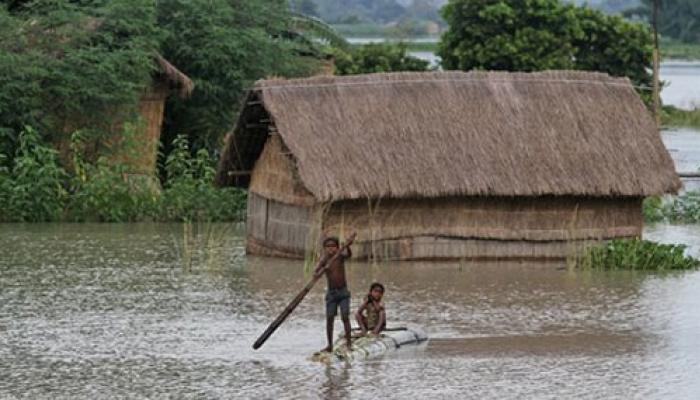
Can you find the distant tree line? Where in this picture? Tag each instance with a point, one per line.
(376, 11)
(678, 19)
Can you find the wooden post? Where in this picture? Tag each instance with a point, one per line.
(657, 102)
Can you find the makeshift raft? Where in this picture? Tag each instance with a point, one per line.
(367, 347)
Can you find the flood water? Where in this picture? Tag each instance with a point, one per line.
(683, 144)
(112, 311)
(682, 80)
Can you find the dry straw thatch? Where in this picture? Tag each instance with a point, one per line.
(174, 76)
(436, 134)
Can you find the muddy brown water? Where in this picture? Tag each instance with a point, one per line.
(111, 311)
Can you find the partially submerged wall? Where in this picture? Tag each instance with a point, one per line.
(280, 210)
(454, 228)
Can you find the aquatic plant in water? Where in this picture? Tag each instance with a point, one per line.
(681, 209)
(684, 208)
(637, 254)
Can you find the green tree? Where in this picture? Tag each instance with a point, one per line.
(377, 57)
(533, 35)
(610, 44)
(66, 66)
(224, 46)
(515, 35)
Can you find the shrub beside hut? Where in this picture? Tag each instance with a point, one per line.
(446, 165)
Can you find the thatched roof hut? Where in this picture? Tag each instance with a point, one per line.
(167, 81)
(446, 164)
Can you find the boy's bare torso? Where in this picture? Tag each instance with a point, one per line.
(335, 273)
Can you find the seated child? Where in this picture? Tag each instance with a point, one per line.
(370, 316)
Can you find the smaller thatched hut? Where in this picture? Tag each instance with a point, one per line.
(142, 157)
(168, 80)
(446, 165)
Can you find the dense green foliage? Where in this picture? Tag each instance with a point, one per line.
(534, 35)
(224, 46)
(32, 184)
(83, 65)
(652, 209)
(377, 57)
(678, 19)
(64, 66)
(73, 71)
(36, 188)
(190, 195)
(637, 254)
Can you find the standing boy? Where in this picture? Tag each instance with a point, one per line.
(337, 294)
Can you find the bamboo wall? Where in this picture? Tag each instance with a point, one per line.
(274, 176)
(278, 229)
(539, 228)
(454, 228)
(141, 158)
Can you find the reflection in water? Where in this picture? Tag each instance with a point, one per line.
(108, 311)
(336, 384)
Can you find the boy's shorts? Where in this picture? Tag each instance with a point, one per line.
(337, 298)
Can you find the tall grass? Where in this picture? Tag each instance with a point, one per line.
(200, 244)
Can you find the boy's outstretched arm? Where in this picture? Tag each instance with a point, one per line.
(347, 253)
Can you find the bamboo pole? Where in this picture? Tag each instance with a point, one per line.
(657, 102)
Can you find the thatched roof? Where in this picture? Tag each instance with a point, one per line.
(174, 76)
(454, 133)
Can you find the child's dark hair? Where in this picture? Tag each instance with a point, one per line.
(376, 285)
(332, 239)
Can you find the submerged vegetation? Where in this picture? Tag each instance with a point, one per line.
(636, 254)
(681, 209)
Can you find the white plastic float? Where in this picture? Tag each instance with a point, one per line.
(367, 347)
